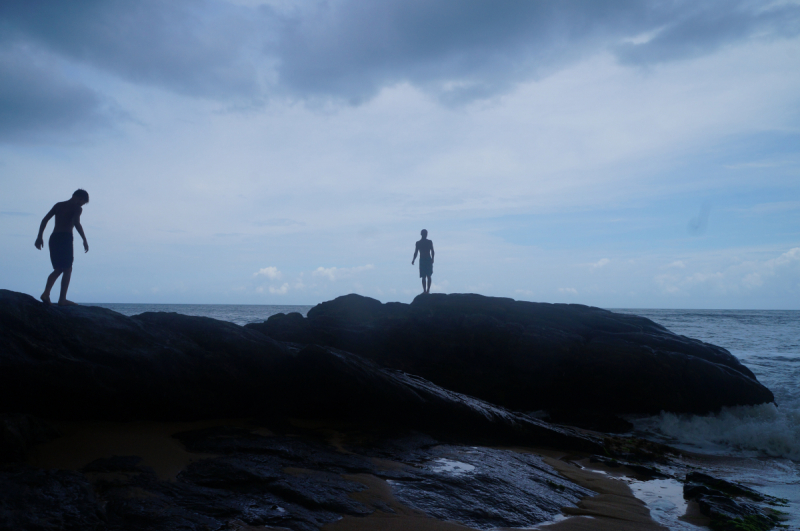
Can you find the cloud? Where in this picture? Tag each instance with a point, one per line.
(600, 263)
(194, 48)
(677, 264)
(277, 222)
(36, 100)
(440, 287)
(792, 256)
(466, 49)
(270, 272)
(458, 50)
(279, 291)
(753, 280)
(570, 291)
(779, 274)
(336, 273)
(699, 28)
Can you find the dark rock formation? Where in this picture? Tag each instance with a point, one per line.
(92, 363)
(18, 433)
(89, 362)
(403, 379)
(47, 500)
(730, 505)
(453, 483)
(287, 481)
(529, 356)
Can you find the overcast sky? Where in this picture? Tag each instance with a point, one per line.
(617, 153)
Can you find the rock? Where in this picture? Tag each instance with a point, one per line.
(590, 419)
(531, 356)
(88, 362)
(19, 432)
(233, 472)
(323, 382)
(721, 501)
(92, 363)
(455, 483)
(47, 500)
(289, 480)
(721, 486)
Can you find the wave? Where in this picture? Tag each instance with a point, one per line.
(764, 429)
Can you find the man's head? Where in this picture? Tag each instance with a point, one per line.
(81, 195)
(424, 233)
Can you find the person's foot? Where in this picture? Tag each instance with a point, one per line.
(66, 303)
(45, 298)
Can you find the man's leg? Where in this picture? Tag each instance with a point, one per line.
(429, 285)
(50, 281)
(423, 285)
(62, 300)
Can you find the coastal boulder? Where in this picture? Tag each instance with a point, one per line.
(531, 356)
(91, 363)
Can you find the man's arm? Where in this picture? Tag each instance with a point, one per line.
(416, 250)
(432, 253)
(79, 228)
(39, 239)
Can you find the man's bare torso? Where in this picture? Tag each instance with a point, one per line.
(425, 247)
(66, 214)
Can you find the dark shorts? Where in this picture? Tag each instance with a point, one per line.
(425, 268)
(61, 255)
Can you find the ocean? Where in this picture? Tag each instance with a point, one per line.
(755, 445)
(240, 314)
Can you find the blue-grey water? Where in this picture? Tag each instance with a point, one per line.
(757, 445)
(768, 343)
(240, 314)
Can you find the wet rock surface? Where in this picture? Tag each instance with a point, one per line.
(731, 507)
(528, 356)
(292, 480)
(454, 483)
(47, 500)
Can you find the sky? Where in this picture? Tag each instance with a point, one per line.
(621, 154)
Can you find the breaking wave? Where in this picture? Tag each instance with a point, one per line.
(764, 429)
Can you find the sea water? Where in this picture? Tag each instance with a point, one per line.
(768, 343)
(755, 445)
(240, 314)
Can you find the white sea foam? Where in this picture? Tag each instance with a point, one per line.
(764, 429)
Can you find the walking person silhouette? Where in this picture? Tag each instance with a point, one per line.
(425, 249)
(68, 215)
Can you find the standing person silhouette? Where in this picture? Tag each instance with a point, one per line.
(425, 249)
(68, 215)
